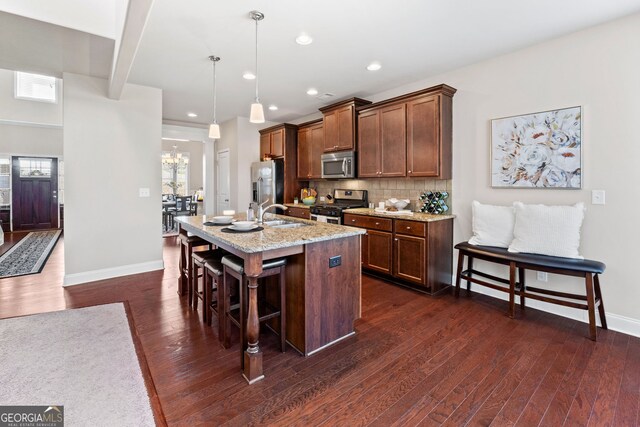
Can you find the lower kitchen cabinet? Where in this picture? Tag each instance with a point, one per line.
(412, 253)
(297, 212)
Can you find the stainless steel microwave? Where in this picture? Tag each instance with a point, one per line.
(339, 165)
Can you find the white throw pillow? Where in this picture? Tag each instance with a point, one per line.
(492, 225)
(548, 230)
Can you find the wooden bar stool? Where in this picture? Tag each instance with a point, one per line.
(234, 268)
(212, 282)
(187, 244)
(199, 259)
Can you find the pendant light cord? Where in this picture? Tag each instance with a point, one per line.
(214, 91)
(257, 74)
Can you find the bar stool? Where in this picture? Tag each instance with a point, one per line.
(198, 260)
(213, 273)
(234, 267)
(187, 242)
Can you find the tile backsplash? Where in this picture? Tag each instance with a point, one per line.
(381, 189)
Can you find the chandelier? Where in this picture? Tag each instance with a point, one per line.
(174, 161)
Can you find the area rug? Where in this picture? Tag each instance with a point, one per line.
(29, 255)
(82, 359)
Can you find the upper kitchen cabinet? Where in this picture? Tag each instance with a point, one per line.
(274, 140)
(407, 136)
(310, 149)
(340, 124)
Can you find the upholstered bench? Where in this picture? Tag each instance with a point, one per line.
(523, 261)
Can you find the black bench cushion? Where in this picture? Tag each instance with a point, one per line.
(585, 265)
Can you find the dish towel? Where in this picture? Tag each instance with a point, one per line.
(321, 218)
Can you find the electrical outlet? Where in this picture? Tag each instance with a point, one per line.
(144, 192)
(542, 276)
(322, 198)
(335, 261)
(597, 197)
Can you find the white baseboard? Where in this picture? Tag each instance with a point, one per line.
(615, 322)
(108, 273)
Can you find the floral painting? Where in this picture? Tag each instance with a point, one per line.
(540, 150)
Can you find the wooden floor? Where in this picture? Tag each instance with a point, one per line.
(416, 360)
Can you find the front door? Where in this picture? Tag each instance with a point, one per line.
(223, 187)
(35, 193)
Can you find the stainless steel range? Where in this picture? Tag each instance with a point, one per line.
(342, 199)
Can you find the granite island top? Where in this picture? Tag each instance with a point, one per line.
(415, 216)
(271, 237)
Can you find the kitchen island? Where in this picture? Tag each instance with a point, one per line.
(322, 302)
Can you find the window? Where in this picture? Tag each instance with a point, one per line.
(5, 182)
(175, 173)
(35, 168)
(35, 87)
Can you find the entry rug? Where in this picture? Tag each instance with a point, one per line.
(81, 361)
(29, 255)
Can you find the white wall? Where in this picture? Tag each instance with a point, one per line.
(112, 148)
(597, 68)
(28, 140)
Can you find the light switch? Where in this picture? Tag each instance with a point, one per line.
(144, 192)
(597, 197)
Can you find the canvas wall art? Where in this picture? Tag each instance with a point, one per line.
(539, 150)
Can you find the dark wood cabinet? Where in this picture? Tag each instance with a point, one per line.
(410, 135)
(296, 212)
(272, 143)
(340, 127)
(310, 149)
(382, 142)
(280, 141)
(414, 253)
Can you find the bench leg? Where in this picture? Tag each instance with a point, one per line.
(603, 318)
(469, 267)
(512, 289)
(591, 306)
(522, 286)
(459, 270)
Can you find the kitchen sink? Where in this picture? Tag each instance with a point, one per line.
(279, 223)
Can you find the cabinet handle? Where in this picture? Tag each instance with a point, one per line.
(377, 223)
(408, 228)
(409, 171)
(353, 220)
(395, 239)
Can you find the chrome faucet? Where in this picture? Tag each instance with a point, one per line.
(262, 211)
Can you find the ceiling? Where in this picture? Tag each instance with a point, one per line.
(412, 39)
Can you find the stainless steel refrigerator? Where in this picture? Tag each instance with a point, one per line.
(267, 182)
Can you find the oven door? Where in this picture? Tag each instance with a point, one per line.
(327, 219)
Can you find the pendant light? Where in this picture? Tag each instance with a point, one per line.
(257, 112)
(214, 127)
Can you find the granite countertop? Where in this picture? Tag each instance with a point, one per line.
(299, 205)
(271, 237)
(415, 216)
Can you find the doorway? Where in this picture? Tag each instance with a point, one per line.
(223, 182)
(35, 193)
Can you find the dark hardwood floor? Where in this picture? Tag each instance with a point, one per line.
(416, 360)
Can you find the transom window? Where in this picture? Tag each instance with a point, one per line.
(36, 87)
(35, 168)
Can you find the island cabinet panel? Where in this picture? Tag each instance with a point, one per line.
(310, 149)
(340, 126)
(323, 311)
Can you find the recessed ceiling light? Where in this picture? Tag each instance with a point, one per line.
(304, 39)
(192, 115)
(312, 92)
(249, 76)
(273, 107)
(374, 66)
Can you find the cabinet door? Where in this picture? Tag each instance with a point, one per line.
(423, 136)
(368, 144)
(304, 153)
(265, 145)
(379, 250)
(393, 152)
(410, 258)
(316, 138)
(330, 121)
(345, 128)
(277, 143)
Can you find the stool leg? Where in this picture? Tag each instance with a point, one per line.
(591, 307)
(182, 280)
(221, 298)
(193, 286)
(512, 289)
(226, 336)
(189, 274)
(469, 267)
(603, 318)
(205, 294)
(283, 310)
(459, 271)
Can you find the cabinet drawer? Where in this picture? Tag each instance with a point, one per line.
(411, 228)
(299, 213)
(375, 223)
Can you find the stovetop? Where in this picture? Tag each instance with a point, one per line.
(343, 199)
